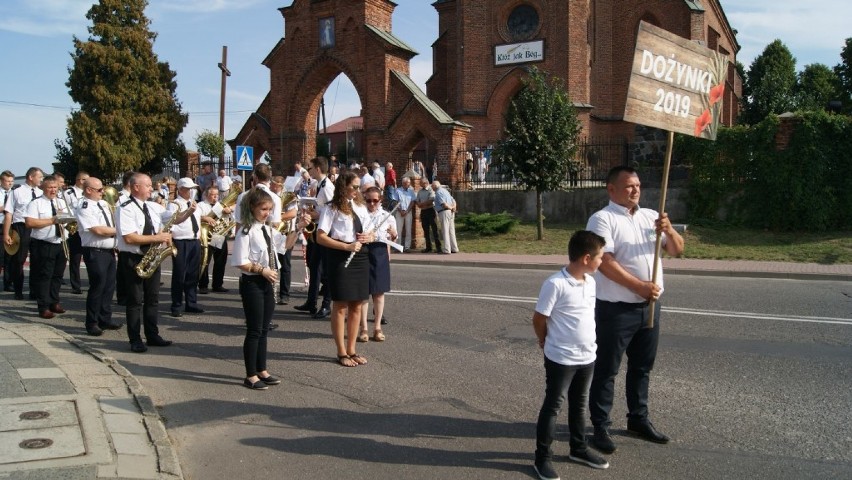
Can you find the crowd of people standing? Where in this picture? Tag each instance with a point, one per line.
(124, 238)
(588, 316)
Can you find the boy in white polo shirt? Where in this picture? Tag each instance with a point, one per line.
(564, 322)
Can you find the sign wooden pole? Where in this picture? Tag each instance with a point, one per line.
(663, 189)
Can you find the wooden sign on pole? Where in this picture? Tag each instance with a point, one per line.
(675, 85)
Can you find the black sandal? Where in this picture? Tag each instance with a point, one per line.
(342, 358)
(358, 359)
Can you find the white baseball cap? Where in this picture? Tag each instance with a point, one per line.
(186, 183)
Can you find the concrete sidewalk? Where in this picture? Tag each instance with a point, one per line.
(67, 411)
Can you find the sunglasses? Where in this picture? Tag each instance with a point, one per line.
(372, 201)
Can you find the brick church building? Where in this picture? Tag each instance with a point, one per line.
(483, 49)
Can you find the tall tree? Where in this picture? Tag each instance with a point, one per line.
(844, 74)
(129, 116)
(540, 138)
(816, 86)
(770, 83)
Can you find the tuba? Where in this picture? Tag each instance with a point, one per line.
(110, 196)
(157, 254)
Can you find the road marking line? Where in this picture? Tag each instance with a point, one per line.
(685, 311)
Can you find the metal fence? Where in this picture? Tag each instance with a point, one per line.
(171, 168)
(592, 160)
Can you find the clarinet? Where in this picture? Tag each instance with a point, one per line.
(372, 230)
(273, 264)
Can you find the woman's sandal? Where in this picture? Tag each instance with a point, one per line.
(363, 337)
(378, 336)
(346, 361)
(358, 359)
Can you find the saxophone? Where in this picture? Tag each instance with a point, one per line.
(157, 254)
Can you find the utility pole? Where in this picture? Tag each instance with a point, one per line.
(225, 74)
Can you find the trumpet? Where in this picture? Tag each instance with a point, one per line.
(71, 225)
(64, 219)
(157, 254)
(286, 199)
(287, 228)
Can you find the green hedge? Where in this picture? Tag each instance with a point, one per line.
(742, 178)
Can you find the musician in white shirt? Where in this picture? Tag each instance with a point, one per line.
(47, 264)
(96, 226)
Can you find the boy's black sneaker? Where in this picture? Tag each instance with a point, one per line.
(545, 470)
(587, 457)
(602, 440)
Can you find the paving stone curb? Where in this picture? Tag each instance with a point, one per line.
(167, 458)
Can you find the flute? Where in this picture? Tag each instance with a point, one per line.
(273, 264)
(372, 230)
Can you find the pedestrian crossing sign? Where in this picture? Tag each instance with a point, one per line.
(245, 157)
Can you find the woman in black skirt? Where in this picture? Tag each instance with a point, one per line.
(379, 256)
(341, 231)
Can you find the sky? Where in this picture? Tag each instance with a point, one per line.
(36, 41)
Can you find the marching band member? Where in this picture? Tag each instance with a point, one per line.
(123, 196)
(16, 207)
(218, 257)
(340, 231)
(47, 264)
(315, 251)
(254, 254)
(379, 257)
(7, 180)
(262, 177)
(96, 227)
(137, 223)
(73, 197)
(288, 215)
(186, 263)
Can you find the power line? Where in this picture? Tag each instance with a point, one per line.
(56, 107)
(37, 105)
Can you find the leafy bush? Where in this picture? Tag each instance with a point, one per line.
(488, 224)
(743, 178)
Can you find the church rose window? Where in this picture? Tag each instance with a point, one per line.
(522, 22)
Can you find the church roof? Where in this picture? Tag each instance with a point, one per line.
(389, 38)
(345, 125)
(694, 5)
(431, 107)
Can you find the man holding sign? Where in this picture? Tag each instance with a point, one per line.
(624, 290)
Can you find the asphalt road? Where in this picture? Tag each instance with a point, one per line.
(753, 380)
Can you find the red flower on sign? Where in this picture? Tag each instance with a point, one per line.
(701, 122)
(716, 93)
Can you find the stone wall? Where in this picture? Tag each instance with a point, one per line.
(564, 207)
